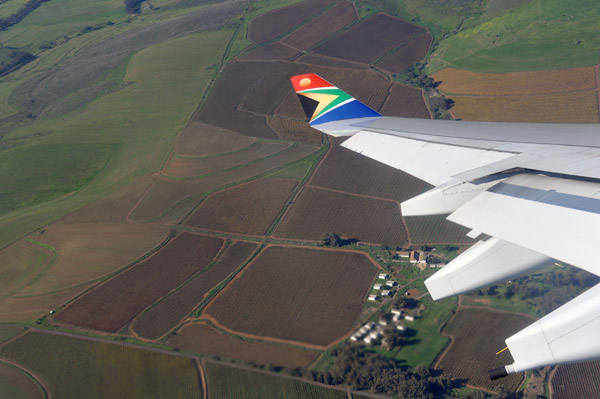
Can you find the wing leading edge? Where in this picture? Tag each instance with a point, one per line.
(533, 188)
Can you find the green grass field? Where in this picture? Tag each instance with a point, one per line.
(137, 123)
(541, 34)
(103, 370)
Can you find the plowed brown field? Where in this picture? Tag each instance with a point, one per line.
(318, 210)
(202, 338)
(244, 209)
(114, 303)
(325, 25)
(296, 294)
(370, 39)
(407, 55)
(165, 315)
(405, 101)
(290, 129)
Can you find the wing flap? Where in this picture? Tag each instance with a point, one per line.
(554, 216)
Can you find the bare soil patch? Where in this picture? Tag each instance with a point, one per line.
(405, 101)
(407, 55)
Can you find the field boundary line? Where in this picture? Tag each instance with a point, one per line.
(139, 201)
(36, 379)
(354, 194)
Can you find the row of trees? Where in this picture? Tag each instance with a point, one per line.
(133, 6)
(14, 60)
(17, 17)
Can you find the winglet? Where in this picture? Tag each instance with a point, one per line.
(323, 102)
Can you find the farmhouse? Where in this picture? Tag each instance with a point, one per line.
(418, 257)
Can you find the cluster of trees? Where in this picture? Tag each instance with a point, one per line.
(17, 17)
(133, 6)
(361, 370)
(13, 59)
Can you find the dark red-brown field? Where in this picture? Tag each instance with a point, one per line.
(574, 381)
(166, 314)
(273, 24)
(298, 294)
(273, 51)
(113, 304)
(405, 101)
(325, 25)
(477, 335)
(345, 170)
(435, 230)
(319, 210)
(272, 87)
(248, 208)
(370, 39)
(407, 55)
(290, 129)
(220, 108)
(202, 338)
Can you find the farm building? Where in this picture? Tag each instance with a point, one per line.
(373, 297)
(391, 283)
(396, 311)
(403, 254)
(377, 287)
(409, 317)
(418, 257)
(386, 293)
(367, 340)
(383, 276)
(383, 322)
(400, 327)
(396, 317)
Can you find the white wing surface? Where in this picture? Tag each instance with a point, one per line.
(533, 189)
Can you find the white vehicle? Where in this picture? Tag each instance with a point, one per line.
(533, 188)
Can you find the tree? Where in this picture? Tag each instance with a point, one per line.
(329, 238)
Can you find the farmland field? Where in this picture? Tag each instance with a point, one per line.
(202, 338)
(579, 380)
(314, 59)
(318, 210)
(294, 130)
(7, 331)
(273, 51)
(369, 40)
(85, 252)
(275, 23)
(225, 382)
(477, 335)
(407, 55)
(14, 383)
(274, 85)
(166, 193)
(163, 316)
(220, 108)
(248, 208)
(296, 294)
(435, 230)
(345, 170)
(577, 107)
(28, 308)
(21, 262)
(405, 101)
(114, 303)
(458, 81)
(199, 139)
(71, 366)
(113, 208)
(194, 167)
(325, 25)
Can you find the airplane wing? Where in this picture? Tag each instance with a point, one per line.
(533, 189)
